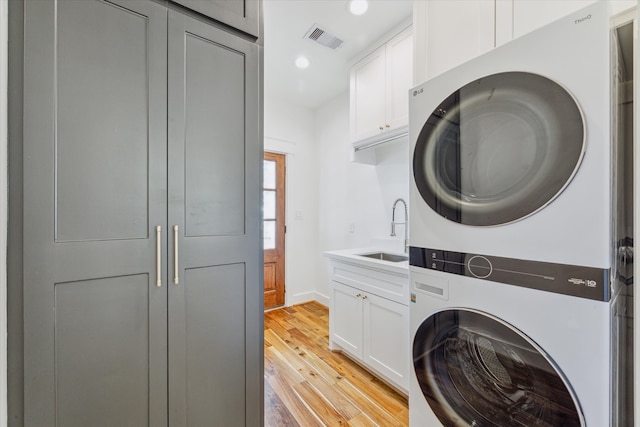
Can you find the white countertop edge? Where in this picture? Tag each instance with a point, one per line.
(352, 256)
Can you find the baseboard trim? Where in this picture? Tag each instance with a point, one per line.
(307, 297)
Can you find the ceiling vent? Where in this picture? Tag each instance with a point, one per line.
(319, 35)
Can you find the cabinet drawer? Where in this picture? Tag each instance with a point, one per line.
(394, 287)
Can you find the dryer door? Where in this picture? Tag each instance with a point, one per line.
(476, 370)
(499, 149)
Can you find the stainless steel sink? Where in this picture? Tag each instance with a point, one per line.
(384, 256)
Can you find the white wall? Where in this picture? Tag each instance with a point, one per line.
(331, 192)
(353, 193)
(288, 129)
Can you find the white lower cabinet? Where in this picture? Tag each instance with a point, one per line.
(386, 338)
(371, 329)
(347, 318)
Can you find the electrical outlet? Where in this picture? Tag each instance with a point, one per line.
(352, 227)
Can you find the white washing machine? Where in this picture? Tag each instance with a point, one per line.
(486, 354)
(511, 236)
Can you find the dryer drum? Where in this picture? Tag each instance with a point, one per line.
(476, 370)
(499, 149)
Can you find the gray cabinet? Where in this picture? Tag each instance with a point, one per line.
(240, 14)
(141, 243)
(214, 164)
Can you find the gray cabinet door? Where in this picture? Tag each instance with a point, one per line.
(240, 14)
(215, 158)
(95, 323)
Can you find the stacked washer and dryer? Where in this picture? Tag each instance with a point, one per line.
(511, 233)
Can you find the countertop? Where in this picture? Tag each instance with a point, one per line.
(351, 256)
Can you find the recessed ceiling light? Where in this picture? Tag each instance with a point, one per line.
(358, 7)
(302, 62)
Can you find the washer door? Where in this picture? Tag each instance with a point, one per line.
(476, 370)
(499, 149)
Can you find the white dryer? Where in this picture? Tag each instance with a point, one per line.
(511, 236)
(511, 152)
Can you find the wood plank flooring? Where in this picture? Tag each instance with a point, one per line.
(308, 385)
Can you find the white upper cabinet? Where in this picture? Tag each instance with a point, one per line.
(367, 96)
(379, 87)
(529, 15)
(456, 32)
(399, 70)
(448, 33)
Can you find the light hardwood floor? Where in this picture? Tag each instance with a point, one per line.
(308, 385)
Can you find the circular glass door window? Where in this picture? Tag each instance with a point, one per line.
(499, 149)
(475, 370)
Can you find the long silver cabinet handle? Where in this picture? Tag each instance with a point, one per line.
(158, 256)
(176, 280)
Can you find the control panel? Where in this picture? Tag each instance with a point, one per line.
(573, 280)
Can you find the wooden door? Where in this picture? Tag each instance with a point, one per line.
(273, 195)
(95, 349)
(215, 257)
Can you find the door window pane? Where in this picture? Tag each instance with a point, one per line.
(269, 204)
(269, 240)
(269, 174)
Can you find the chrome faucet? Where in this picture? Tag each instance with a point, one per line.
(405, 223)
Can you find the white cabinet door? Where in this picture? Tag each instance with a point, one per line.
(529, 15)
(386, 339)
(503, 22)
(346, 318)
(456, 32)
(367, 101)
(449, 33)
(399, 71)
(515, 18)
(379, 87)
